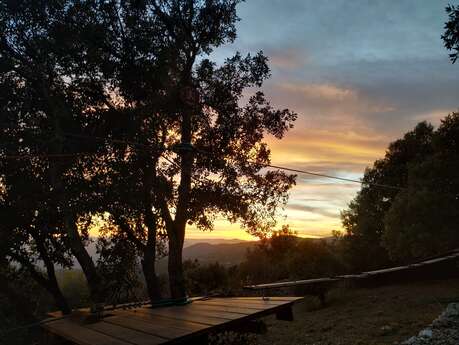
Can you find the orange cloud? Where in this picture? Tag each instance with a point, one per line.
(287, 58)
(326, 92)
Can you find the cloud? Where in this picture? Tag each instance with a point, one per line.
(285, 58)
(321, 92)
(317, 210)
(359, 74)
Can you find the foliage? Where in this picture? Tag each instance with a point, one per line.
(451, 35)
(207, 279)
(423, 219)
(418, 219)
(22, 302)
(364, 219)
(286, 256)
(46, 93)
(118, 264)
(30, 231)
(283, 256)
(135, 77)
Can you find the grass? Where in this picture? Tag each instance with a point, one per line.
(376, 316)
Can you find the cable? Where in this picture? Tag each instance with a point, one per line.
(330, 176)
(149, 148)
(266, 165)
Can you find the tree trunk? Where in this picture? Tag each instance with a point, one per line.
(76, 243)
(149, 251)
(176, 230)
(151, 279)
(175, 267)
(51, 283)
(58, 109)
(93, 278)
(59, 297)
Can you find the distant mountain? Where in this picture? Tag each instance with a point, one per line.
(227, 254)
(191, 241)
(225, 251)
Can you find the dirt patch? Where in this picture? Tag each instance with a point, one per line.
(377, 316)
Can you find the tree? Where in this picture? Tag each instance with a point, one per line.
(118, 264)
(137, 74)
(41, 99)
(20, 304)
(216, 138)
(197, 152)
(419, 218)
(364, 219)
(451, 35)
(30, 234)
(205, 279)
(422, 220)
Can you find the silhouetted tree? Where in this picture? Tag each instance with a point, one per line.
(29, 235)
(118, 264)
(21, 303)
(451, 35)
(45, 93)
(177, 138)
(287, 256)
(423, 219)
(192, 140)
(204, 279)
(364, 219)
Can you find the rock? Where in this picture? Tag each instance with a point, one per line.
(411, 341)
(444, 330)
(426, 333)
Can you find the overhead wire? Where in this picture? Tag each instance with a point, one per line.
(164, 149)
(339, 178)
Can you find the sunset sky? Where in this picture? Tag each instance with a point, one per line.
(359, 74)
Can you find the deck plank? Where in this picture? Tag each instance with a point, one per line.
(126, 334)
(196, 310)
(157, 326)
(251, 306)
(188, 315)
(225, 308)
(269, 298)
(254, 304)
(81, 335)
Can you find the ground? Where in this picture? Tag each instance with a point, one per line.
(377, 316)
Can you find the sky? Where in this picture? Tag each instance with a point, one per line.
(359, 74)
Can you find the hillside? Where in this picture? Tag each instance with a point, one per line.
(224, 253)
(378, 316)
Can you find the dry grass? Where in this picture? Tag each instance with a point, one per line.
(384, 315)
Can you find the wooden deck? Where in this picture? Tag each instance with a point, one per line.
(165, 325)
